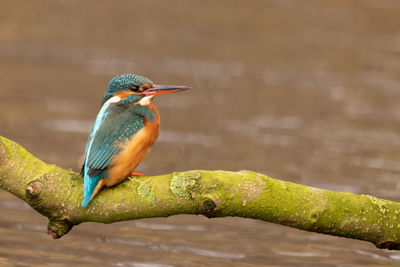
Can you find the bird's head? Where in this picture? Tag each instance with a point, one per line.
(138, 85)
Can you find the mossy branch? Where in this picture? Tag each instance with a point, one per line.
(57, 194)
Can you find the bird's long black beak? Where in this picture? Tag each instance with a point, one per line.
(158, 89)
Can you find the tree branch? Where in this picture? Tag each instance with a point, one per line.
(57, 194)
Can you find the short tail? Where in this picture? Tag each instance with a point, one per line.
(90, 184)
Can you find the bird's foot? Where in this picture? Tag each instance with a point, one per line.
(137, 174)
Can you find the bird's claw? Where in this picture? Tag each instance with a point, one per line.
(137, 174)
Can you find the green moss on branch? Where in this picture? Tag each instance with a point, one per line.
(57, 194)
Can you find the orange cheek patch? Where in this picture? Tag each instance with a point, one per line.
(146, 86)
(123, 94)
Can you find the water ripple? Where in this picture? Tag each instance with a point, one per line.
(141, 264)
(370, 254)
(169, 136)
(301, 253)
(33, 227)
(14, 205)
(175, 249)
(68, 125)
(158, 226)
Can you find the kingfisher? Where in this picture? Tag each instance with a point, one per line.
(124, 131)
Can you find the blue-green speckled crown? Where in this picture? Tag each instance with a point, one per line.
(124, 82)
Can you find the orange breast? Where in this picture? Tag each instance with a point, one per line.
(134, 151)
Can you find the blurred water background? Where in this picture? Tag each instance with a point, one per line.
(304, 91)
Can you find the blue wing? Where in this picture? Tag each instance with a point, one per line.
(114, 126)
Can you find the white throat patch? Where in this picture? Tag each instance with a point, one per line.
(112, 100)
(146, 100)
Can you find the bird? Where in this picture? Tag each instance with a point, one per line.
(124, 131)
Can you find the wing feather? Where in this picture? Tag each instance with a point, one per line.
(110, 133)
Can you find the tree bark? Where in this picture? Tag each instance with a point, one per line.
(57, 194)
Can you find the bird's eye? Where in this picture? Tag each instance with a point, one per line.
(134, 88)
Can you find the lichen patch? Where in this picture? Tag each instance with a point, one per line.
(382, 204)
(144, 190)
(252, 191)
(181, 183)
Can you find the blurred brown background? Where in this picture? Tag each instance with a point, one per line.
(305, 91)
